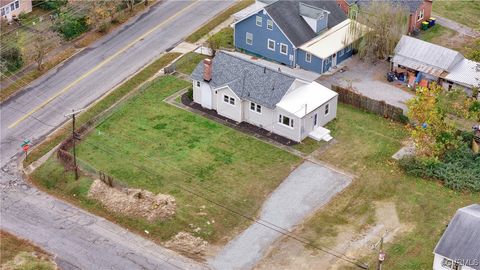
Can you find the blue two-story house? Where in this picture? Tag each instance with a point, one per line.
(308, 34)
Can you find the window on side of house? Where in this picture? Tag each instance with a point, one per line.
(421, 15)
(232, 101)
(2, 12)
(284, 120)
(255, 107)
(17, 4)
(225, 98)
(308, 57)
(269, 24)
(283, 48)
(271, 44)
(341, 52)
(198, 83)
(327, 109)
(249, 38)
(258, 21)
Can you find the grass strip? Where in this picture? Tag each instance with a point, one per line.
(102, 105)
(206, 28)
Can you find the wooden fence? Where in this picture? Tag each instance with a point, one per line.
(379, 107)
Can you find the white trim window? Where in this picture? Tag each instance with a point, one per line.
(421, 15)
(283, 48)
(308, 57)
(269, 24)
(341, 52)
(229, 100)
(258, 21)
(249, 38)
(286, 121)
(198, 83)
(271, 44)
(255, 107)
(327, 109)
(449, 264)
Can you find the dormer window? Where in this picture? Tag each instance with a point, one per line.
(259, 21)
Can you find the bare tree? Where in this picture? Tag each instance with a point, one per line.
(41, 44)
(130, 4)
(386, 23)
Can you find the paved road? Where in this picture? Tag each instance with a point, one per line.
(79, 239)
(305, 190)
(462, 29)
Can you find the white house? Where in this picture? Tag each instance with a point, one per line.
(245, 91)
(13, 8)
(459, 247)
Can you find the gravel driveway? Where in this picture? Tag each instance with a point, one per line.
(305, 190)
(369, 80)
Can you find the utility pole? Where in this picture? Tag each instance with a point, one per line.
(381, 255)
(74, 137)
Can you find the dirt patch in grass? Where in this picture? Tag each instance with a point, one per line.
(135, 202)
(188, 245)
(349, 243)
(16, 253)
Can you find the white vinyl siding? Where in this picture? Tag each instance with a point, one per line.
(249, 38)
(269, 24)
(271, 44)
(258, 21)
(255, 107)
(308, 57)
(283, 48)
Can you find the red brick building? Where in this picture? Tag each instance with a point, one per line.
(420, 10)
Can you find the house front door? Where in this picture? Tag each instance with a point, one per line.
(334, 59)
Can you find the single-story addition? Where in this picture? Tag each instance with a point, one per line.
(459, 247)
(245, 91)
(424, 61)
(284, 31)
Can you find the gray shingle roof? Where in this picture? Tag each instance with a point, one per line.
(250, 81)
(411, 5)
(461, 240)
(286, 15)
(424, 56)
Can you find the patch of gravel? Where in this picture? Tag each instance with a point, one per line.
(135, 202)
(188, 245)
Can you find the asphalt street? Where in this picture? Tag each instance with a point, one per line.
(81, 240)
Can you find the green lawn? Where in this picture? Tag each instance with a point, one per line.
(152, 145)
(187, 63)
(365, 144)
(224, 38)
(465, 11)
(436, 34)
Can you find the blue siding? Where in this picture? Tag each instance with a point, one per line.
(346, 54)
(315, 65)
(322, 24)
(260, 39)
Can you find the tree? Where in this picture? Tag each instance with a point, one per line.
(213, 44)
(101, 13)
(41, 44)
(432, 133)
(386, 23)
(11, 58)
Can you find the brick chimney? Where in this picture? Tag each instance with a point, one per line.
(207, 70)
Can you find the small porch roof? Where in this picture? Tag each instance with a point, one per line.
(333, 40)
(306, 99)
